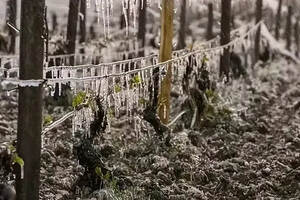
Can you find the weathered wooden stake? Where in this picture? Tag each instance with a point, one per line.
(30, 99)
(296, 34)
(82, 25)
(259, 8)
(182, 30)
(210, 23)
(72, 28)
(225, 37)
(278, 20)
(142, 26)
(288, 31)
(54, 22)
(164, 55)
(12, 19)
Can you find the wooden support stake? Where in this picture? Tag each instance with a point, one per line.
(225, 37)
(82, 21)
(164, 55)
(30, 99)
(278, 20)
(182, 30)
(142, 26)
(72, 28)
(12, 19)
(288, 31)
(210, 23)
(259, 8)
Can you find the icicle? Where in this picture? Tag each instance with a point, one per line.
(42, 141)
(125, 6)
(108, 114)
(22, 172)
(127, 94)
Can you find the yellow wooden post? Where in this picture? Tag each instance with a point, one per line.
(165, 54)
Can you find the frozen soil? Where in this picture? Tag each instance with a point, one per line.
(253, 155)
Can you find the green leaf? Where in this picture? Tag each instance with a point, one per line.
(79, 99)
(19, 160)
(205, 59)
(212, 96)
(118, 88)
(12, 148)
(48, 119)
(99, 172)
(142, 101)
(110, 112)
(107, 176)
(136, 80)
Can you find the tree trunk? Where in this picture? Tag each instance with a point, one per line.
(259, 8)
(164, 55)
(82, 21)
(72, 28)
(225, 38)
(210, 24)
(12, 19)
(30, 99)
(142, 26)
(288, 32)
(182, 29)
(296, 34)
(278, 20)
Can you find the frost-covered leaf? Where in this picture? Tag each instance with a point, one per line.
(79, 99)
(19, 160)
(48, 119)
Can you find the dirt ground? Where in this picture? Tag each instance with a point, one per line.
(253, 155)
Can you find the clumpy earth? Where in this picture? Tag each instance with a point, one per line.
(253, 154)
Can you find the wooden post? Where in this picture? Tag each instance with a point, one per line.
(30, 99)
(182, 30)
(225, 38)
(12, 19)
(296, 34)
(82, 21)
(278, 20)
(142, 26)
(259, 8)
(72, 28)
(164, 55)
(288, 31)
(210, 23)
(54, 22)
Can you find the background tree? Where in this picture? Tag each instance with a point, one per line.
(288, 31)
(72, 28)
(165, 54)
(12, 19)
(182, 30)
(259, 9)
(210, 23)
(30, 99)
(142, 26)
(225, 37)
(278, 20)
